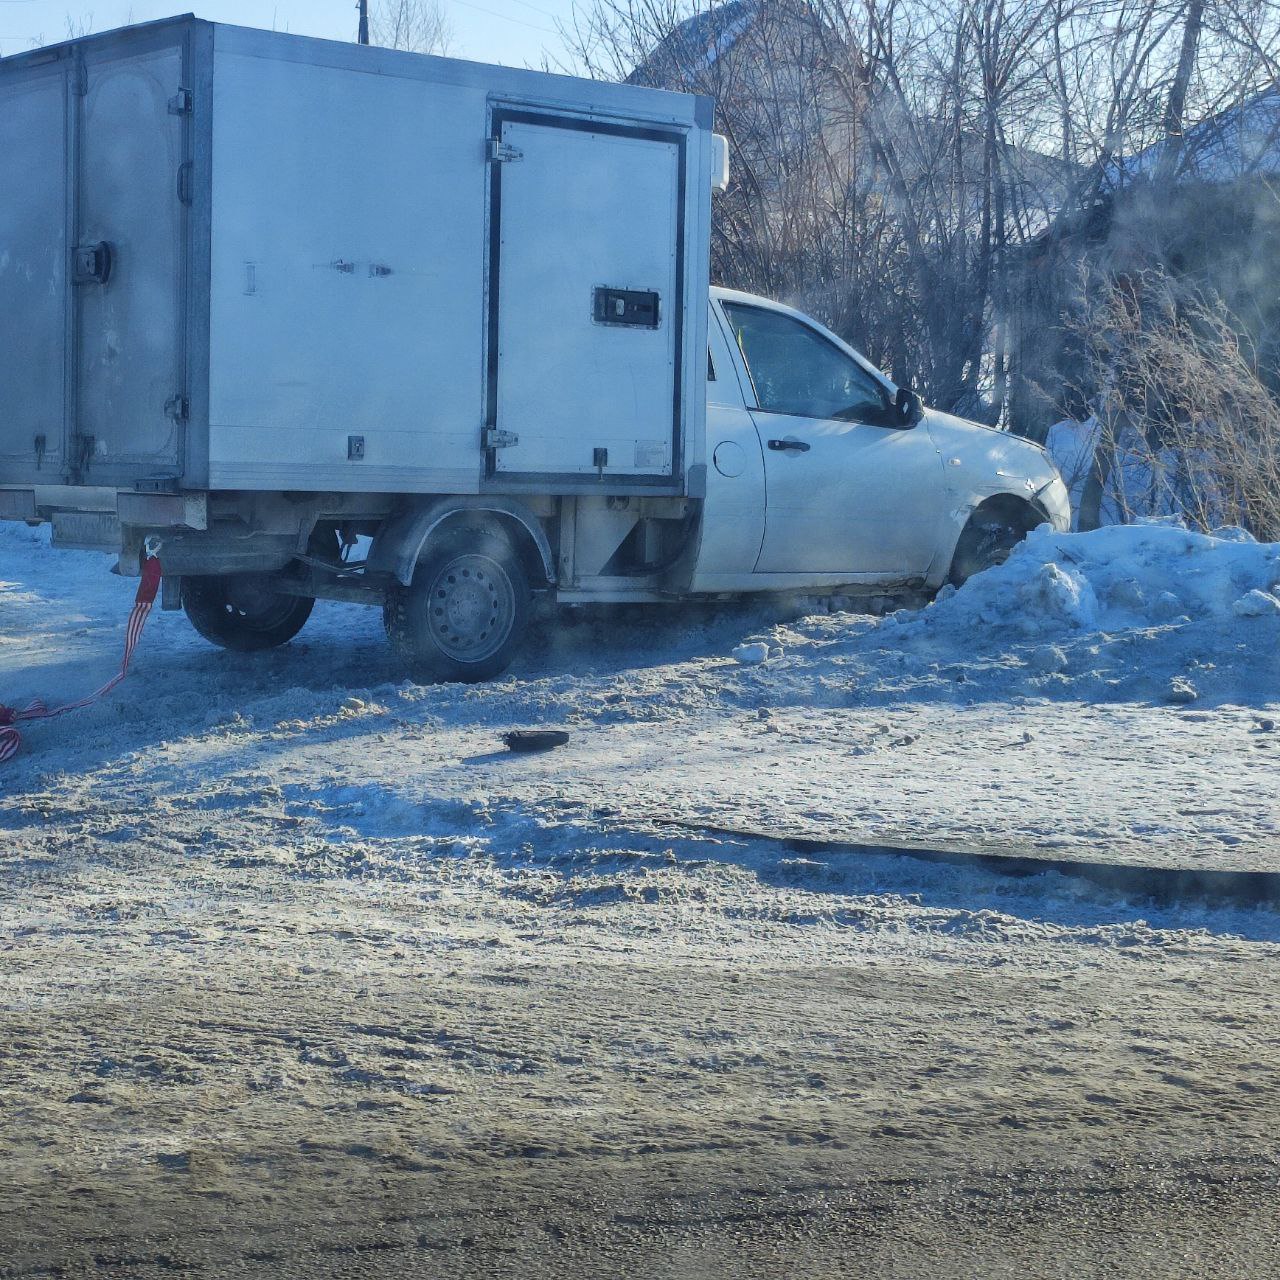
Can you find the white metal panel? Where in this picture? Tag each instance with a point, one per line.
(33, 258)
(582, 209)
(131, 149)
(328, 156)
(733, 511)
(347, 292)
(698, 320)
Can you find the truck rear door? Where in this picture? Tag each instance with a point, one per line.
(586, 298)
(134, 192)
(34, 259)
(94, 166)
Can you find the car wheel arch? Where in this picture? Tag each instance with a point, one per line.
(1016, 511)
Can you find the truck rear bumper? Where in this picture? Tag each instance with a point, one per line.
(144, 510)
(93, 519)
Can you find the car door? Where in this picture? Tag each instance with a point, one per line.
(848, 489)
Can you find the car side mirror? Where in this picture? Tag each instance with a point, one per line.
(907, 408)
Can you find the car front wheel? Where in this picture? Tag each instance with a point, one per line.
(984, 544)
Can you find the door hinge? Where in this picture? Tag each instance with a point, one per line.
(503, 152)
(494, 438)
(40, 445)
(182, 103)
(185, 172)
(178, 408)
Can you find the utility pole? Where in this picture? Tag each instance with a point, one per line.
(363, 37)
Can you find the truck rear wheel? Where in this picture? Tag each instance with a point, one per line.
(244, 612)
(465, 613)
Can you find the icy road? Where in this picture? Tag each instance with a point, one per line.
(302, 974)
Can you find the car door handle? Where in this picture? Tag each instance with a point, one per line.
(783, 445)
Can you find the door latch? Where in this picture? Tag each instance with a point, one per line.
(497, 439)
(503, 152)
(177, 408)
(92, 263)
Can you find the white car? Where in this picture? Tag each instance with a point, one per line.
(822, 473)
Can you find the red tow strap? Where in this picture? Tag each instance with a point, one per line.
(11, 739)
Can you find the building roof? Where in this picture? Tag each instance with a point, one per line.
(1243, 139)
(696, 44)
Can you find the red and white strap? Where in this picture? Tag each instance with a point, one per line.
(11, 739)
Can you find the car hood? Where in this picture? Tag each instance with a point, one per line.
(996, 461)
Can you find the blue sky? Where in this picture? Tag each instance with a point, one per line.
(514, 32)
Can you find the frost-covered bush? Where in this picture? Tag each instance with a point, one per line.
(1183, 424)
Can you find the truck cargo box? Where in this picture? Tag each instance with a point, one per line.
(236, 259)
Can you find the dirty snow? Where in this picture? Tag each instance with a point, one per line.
(1100, 695)
(1107, 616)
(289, 938)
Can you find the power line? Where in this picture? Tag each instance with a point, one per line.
(537, 8)
(506, 17)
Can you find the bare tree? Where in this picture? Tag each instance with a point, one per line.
(420, 26)
(896, 161)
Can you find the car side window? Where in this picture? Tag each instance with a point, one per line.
(796, 370)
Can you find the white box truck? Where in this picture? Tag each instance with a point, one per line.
(335, 321)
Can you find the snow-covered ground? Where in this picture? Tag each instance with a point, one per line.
(1110, 696)
(285, 938)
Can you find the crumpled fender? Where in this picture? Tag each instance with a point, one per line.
(980, 463)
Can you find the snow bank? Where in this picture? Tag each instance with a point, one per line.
(1129, 611)
(1121, 577)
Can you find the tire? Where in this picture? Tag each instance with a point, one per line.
(243, 612)
(983, 545)
(464, 615)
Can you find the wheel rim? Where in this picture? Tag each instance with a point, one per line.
(471, 608)
(256, 605)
